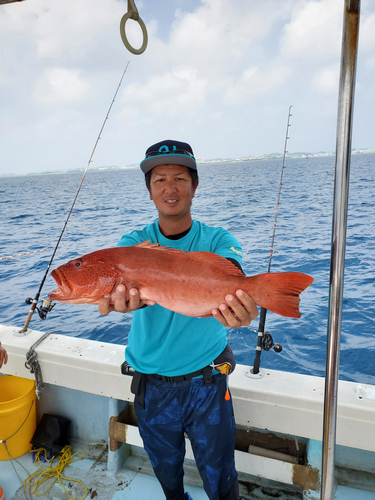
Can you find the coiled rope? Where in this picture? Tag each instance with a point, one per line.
(52, 474)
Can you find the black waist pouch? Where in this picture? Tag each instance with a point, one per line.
(226, 356)
(52, 433)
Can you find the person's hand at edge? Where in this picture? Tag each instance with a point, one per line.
(3, 356)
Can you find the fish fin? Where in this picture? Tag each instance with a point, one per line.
(205, 257)
(278, 292)
(156, 246)
(222, 262)
(147, 244)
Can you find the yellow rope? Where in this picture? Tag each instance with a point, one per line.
(53, 474)
(39, 452)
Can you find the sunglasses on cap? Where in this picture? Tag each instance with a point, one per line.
(173, 152)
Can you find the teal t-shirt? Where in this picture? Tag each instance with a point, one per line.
(171, 344)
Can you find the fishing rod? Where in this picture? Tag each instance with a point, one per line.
(265, 340)
(47, 305)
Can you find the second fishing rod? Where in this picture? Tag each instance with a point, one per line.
(265, 340)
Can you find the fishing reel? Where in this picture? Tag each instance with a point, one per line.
(44, 309)
(267, 343)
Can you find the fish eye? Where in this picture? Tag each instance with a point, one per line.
(78, 263)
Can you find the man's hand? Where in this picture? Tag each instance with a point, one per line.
(3, 356)
(239, 310)
(121, 302)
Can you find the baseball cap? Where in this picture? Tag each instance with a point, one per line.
(168, 153)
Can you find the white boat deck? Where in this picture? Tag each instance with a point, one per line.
(134, 481)
(83, 382)
(129, 483)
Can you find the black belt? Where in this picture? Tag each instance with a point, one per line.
(205, 372)
(138, 386)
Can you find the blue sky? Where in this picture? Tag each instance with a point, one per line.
(219, 74)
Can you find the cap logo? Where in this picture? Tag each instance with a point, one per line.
(165, 149)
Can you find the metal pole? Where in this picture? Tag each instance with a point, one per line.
(339, 220)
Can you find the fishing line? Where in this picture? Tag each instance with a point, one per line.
(265, 341)
(261, 118)
(47, 307)
(25, 253)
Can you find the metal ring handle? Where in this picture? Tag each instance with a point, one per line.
(125, 17)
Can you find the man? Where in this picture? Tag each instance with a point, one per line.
(179, 361)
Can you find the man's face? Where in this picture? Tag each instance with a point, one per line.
(171, 189)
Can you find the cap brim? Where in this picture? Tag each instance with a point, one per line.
(154, 161)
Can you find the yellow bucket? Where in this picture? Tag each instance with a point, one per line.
(17, 415)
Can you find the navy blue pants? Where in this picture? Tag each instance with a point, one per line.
(207, 418)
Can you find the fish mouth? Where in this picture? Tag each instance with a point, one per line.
(68, 292)
(63, 291)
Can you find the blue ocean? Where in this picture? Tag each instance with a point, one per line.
(239, 196)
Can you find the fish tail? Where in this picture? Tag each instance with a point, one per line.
(278, 292)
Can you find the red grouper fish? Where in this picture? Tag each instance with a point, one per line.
(189, 283)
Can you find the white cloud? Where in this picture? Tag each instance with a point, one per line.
(370, 62)
(221, 35)
(172, 93)
(60, 86)
(327, 80)
(367, 34)
(314, 31)
(60, 27)
(214, 73)
(253, 81)
(205, 57)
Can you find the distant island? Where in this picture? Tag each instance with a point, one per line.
(200, 161)
(272, 156)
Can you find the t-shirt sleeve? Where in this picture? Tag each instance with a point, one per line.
(228, 246)
(129, 240)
